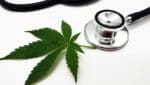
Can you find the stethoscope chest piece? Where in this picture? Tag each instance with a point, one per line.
(107, 31)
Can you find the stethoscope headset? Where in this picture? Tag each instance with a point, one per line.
(107, 31)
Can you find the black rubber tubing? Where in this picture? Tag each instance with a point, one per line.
(137, 15)
(27, 7)
(41, 5)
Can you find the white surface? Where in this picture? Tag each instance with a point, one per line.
(129, 66)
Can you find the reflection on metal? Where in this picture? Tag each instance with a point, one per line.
(108, 31)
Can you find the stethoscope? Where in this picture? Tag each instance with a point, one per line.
(40, 5)
(108, 31)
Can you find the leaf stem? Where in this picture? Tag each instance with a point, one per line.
(89, 47)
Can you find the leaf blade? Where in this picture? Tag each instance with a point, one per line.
(66, 30)
(72, 61)
(75, 37)
(47, 34)
(33, 50)
(43, 67)
(77, 47)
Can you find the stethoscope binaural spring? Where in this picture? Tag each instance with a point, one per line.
(108, 31)
(40, 5)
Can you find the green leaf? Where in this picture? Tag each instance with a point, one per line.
(33, 50)
(74, 38)
(48, 34)
(72, 61)
(66, 30)
(77, 47)
(43, 68)
(51, 44)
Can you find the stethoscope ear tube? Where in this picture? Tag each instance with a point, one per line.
(27, 7)
(42, 4)
(137, 15)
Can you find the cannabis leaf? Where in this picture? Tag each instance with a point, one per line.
(71, 55)
(48, 34)
(66, 30)
(72, 60)
(77, 47)
(33, 50)
(43, 67)
(74, 38)
(50, 45)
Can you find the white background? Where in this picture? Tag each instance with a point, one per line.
(128, 66)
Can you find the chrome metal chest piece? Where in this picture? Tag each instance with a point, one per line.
(108, 31)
